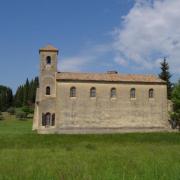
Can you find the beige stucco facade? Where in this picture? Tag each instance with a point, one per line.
(58, 112)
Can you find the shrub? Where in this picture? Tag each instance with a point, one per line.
(1, 117)
(30, 116)
(21, 115)
(11, 110)
(27, 110)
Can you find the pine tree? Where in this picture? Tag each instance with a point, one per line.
(166, 76)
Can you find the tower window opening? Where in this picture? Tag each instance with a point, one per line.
(48, 90)
(48, 59)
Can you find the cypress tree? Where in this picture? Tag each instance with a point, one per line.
(166, 76)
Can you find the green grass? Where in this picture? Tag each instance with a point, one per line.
(144, 156)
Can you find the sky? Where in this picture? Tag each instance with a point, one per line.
(129, 36)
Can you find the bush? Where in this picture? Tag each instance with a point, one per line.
(30, 116)
(27, 110)
(174, 121)
(21, 115)
(11, 110)
(1, 117)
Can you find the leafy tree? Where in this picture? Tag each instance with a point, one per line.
(175, 115)
(6, 98)
(166, 76)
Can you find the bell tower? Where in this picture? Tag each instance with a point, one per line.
(48, 69)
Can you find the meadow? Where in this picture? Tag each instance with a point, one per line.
(135, 156)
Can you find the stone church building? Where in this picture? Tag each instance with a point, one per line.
(108, 102)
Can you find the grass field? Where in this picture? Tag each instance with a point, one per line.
(27, 155)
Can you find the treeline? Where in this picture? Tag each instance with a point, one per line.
(24, 96)
(26, 93)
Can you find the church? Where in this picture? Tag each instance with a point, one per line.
(110, 102)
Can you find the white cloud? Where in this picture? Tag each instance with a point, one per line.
(151, 30)
(87, 57)
(72, 64)
(148, 33)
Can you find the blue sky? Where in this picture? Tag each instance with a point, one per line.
(92, 35)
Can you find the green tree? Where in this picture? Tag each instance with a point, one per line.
(19, 96)
(166, 76)
(176, 103)
(6, 98)
(26, 90)
(26, 93)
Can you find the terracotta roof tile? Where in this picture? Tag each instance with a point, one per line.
(108, 77)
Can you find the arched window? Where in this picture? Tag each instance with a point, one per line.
(133, 93)
(113, 92)
(151, 93)
(93, 92)
(53, 120)
(48, 59)
(73, 92)
(48, 119)
(48, 90)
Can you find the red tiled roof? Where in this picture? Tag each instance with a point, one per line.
(108, 77)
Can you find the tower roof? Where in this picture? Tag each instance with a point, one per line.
(48, 48)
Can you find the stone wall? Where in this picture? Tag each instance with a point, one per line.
(83, 111)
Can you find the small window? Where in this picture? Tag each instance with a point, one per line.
(48, 59)
(133, 93)
(113, 92)
(73, 92)
(53, 120)
(93, 92)
(151, 93)
(48, 90)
